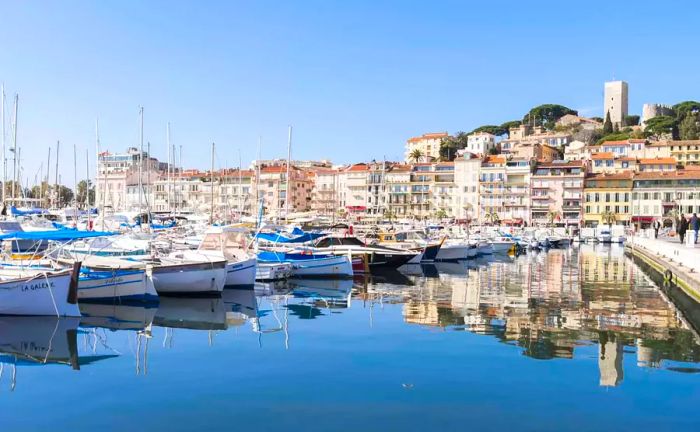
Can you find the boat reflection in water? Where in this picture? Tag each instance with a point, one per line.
(116, 316)
(554, 303)
(36, 341)
(191, 313)
(329, 293)
(241, 306)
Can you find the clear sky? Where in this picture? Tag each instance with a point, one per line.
(354, 78)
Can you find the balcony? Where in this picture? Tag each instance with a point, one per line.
(540, 197)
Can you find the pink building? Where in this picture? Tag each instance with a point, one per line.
(556, 193)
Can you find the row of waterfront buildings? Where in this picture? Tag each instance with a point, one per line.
(530, 182)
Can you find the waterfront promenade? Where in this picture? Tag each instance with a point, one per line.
(680, 261)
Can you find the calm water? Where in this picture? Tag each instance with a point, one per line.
(569, 339)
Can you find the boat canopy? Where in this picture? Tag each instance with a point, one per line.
(55, 235)
(279, 238)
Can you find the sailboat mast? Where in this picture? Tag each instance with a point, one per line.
(211, 184)
(170, 166)
(4, 157)
(75, 180)
(289, 161)
(14, 146)
(240, 188)
(87, 185)
(140, 159)
(44, 195)
(56, 191)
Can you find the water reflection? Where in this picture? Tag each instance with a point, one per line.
(579, 303)
(550, 304)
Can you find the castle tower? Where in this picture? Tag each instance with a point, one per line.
(616, 102)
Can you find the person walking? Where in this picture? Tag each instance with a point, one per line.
(695, 225)
(657, 226)
(682, 228)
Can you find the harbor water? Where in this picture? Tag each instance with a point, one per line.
(565, 339)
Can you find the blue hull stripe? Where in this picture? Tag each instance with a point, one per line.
(108, 285)
(240, 269)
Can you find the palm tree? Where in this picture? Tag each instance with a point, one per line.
(552, 215)
(492, 217)
(608, 217)
(416, 155)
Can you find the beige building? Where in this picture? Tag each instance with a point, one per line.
(274, 189)
(466, 192)
(616, 102)
(428, 144)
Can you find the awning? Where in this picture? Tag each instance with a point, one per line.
(643, 219)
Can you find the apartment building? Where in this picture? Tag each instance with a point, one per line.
(467, 189)
(659, 195)
(427, 144)
(556, 191)
(605, 194)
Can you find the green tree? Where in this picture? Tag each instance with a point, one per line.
(441, 214)
(547, 115)
(682, 109)
(493, 151)
(598, 119)
(450, 145)
(85, 188)
(416, 155)
(65, 195)
(688, 128)
(620, 136)
(661, 127)
(607, 126)
(492, 129)
(631, 120)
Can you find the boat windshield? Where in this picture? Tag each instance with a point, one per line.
(339, 241)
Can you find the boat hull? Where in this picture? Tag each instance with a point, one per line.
(123, 285)
(453, 253)
(38, 295)
(266, 272)
(338, 266)
(241, 273)
(189, 278)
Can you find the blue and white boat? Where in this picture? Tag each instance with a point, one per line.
(306, 264)
(124, 285)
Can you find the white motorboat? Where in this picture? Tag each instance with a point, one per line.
(604, 236)
(230, 243)
(177, 275)
(502, 245)
(455, 251)
(52, 293)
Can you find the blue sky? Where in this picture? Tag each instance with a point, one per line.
(354, 78)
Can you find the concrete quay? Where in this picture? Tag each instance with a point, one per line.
(677, 264)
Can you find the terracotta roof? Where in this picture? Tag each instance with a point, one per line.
(357, 167)
(495, 159)
(627, 141)
(433, 135)
(628, 159)
(678, 142)
(657, 161)
(668, 175)
(603, 155)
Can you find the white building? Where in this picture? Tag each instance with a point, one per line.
(466, 178)
(616, 102)
(481, 143)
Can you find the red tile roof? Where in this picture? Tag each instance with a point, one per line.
(657, 161)
(434, 135)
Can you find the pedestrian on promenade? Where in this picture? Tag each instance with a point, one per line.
(695, 225)
(657, 226)
(682, 228)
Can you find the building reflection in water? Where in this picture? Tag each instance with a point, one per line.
(552, 303)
